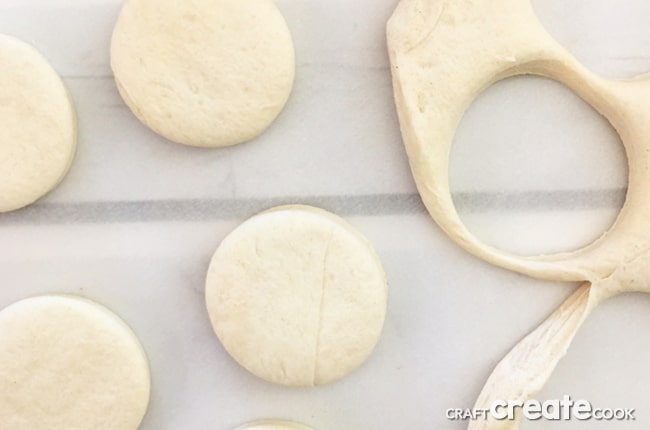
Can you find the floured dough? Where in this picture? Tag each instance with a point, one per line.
(68, 363)
(443, 54)
(273, 425)
(37, 126)
(297, 296)
(206, 73)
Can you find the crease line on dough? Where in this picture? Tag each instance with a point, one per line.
(319, 330)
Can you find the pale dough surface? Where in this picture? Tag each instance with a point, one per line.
(297, 296)
(273, 425)
(443, 54)
(38, 131)
(206, 73)
(68, 363)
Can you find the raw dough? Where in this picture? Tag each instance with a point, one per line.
(297, 296)
(206, 73)
(38, 131)
(443, 54)
(68, 363)
(273, 425)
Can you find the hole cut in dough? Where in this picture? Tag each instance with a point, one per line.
(69, 363)
(273, 425)
(207, 73)
(38, 126)
(297, 296)
(536, 170)
(443, 54)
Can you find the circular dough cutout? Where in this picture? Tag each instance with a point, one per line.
(297, 296)
(69, 363)
(273, 425)
(207, 73)
(38, 126)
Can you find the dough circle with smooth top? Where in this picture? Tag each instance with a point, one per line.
(207, 73)
(297, 296)
(38, 126)
(69, 363)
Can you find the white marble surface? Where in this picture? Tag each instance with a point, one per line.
(534, 170)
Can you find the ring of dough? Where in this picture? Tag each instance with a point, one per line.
(273, 425)
(297, 296)
(207, 73)
(38, 131)
(443, 54)
(68, 363)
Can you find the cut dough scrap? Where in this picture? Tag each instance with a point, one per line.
(38, 131)
(443, 54)
(297, 296)
(69, 363)
(273, 425)
(206, 73)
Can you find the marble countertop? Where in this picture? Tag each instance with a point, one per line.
(533, 170)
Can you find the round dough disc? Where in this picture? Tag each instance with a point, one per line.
(68, 363)
(273, 425)
(206, 73)
(38, 131)
(297, 296)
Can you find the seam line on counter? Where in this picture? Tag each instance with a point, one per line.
(202, 210)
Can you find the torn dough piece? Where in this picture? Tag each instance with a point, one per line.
(206, 73)
(69, 363)
(273, 425)
(38, 126)
(297, 296)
